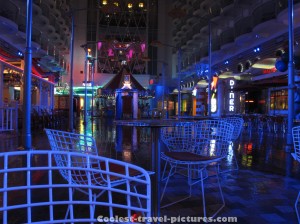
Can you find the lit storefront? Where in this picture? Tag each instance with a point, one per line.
(42, 89)
(278, 100)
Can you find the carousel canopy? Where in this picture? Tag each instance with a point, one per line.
(123, 80)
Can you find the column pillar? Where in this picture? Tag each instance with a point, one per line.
(134, 104)
(119, 104)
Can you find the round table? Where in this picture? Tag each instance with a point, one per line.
(154, 125)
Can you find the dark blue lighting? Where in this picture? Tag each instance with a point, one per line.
(20, 54)
(226, 62)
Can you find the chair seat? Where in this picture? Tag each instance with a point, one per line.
(188, 156)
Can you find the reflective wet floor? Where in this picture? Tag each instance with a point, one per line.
(263, 190)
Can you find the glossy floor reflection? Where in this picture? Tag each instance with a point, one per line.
(263, 190)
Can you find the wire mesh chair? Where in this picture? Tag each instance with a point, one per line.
(32, 192)
(296, 156)
(113, 174)
(238, 124)
(193, 149)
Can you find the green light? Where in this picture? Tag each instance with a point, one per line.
(88, 87)
(82, 94)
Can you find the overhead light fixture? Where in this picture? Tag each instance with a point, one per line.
(104, 2)
(248, 64)
(267, 63)
(257, 49)
(240, 67)
(129, 5)
(141, 5)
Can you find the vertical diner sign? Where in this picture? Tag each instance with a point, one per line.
(231, 95)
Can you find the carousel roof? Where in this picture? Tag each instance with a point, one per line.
(118, 81)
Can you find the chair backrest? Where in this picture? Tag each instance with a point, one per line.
(296, 140)
(62, 141)
(32, 192)
(71, 142)
(238, 124)
(212, 137)
(179, 137)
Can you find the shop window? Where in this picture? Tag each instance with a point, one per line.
(184, 106)
(279, 100)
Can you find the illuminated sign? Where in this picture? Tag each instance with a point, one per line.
(231, 96)
(268, 71)
(213, 105)
(87, 83)
(194, 92)
(213, 99)
(126, 83)
(214, 88)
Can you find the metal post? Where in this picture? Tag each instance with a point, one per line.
(179, 81)
(71, 112)
(85, 87)
(27, 80)
(164, 84)
(209, 70)
(290, 76)
(93, 73)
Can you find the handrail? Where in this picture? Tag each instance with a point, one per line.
(8, 118)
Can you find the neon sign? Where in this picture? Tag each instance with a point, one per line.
(268, 71)
(214, 88)
(194, 92)
(231, 96)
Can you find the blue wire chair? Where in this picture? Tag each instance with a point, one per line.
(296, 156)
(32, 192)
(191, 149)
(115, 173)
(238, 124)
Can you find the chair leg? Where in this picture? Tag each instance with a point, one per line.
(173, 167)
(296, 207)
(164, 171)
(203, 195)
(221, 194)
(167, 180)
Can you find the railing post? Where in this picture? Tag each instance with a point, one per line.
(16, 109)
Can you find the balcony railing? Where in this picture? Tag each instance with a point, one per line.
(8, 119)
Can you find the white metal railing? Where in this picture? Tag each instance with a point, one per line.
(8, 118)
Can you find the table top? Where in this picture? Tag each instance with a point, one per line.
(150, 122)
(197, 117)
